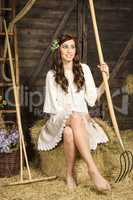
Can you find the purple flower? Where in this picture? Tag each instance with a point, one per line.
(8, 140)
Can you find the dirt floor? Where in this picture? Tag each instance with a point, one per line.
(57, 190)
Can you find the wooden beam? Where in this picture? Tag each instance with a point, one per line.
(85, 43)
(120, 61)
(80, 27)
(0, 16)
(47, 52)
(14, 3)
(122, 58)
(0, 24)
(82, 30)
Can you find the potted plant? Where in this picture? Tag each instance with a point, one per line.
(9, 146)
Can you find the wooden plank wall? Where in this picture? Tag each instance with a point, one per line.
(36, 30)
(115, 27)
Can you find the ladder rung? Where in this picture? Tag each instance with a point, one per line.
(6, 9)
(5, 84)
(8, 111)
(10, 34)
(2, 59)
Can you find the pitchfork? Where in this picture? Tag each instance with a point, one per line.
(126, 157)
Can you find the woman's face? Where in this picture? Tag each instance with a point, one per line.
(68, 51)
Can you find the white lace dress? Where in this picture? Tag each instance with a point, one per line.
(61, 106)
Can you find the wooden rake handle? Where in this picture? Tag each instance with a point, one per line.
(101, 59)
(15, 90)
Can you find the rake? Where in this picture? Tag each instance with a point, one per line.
(126, 157)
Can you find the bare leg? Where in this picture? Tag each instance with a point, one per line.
(70, 152)
(79, 132)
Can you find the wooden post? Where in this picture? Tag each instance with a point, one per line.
(0, 32)
(17, 82)
(80, 27)
(85, 44)
(81, 30)
(0, 17)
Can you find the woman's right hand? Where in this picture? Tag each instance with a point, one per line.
(104, 68)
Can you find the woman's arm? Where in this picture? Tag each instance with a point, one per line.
(100, 90)
(50, 103)
(90, 87)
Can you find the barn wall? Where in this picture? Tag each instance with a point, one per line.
(114, 19)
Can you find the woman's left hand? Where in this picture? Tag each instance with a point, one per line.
(104, 68)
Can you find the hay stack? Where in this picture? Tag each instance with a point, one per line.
(53, 162)
(35, 129)
(129, 84)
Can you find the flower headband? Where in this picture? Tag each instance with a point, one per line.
(54, 45)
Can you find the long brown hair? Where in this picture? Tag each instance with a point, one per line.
(57, 66)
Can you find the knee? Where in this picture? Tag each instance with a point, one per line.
(68, 135)
(76, 119)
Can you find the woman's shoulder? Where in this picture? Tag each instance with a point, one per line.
(85, 67)
(50, 73)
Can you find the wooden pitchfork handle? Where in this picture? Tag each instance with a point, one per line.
(101, 59)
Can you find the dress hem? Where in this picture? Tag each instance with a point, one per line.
(57, 139)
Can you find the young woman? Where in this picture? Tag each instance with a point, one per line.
(69, 88)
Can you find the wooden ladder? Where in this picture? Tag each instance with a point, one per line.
(8, 11)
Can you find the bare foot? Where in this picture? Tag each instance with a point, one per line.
(71, 184)
(101, 183)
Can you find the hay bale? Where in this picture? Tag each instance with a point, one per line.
(53, 162)
(35, 129)
(129, 84)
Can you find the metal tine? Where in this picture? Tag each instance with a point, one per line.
(128, 165)
(128, 153)
(131, 161)
(121, 168)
